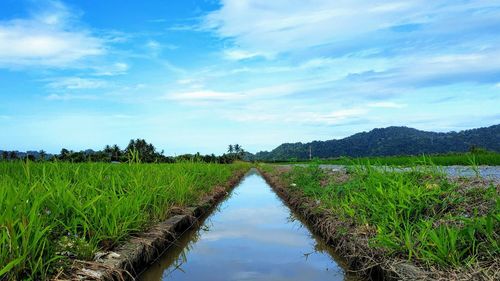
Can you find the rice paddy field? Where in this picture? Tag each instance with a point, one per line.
(52, 211)
(421, 216)
(487, 158)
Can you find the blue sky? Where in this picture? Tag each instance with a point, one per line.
(197, 75)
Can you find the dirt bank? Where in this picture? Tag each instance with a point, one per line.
(126, 261)
(351, 242)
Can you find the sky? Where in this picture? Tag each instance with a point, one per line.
(194, 76)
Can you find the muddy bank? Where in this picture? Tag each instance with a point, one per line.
(491, 173)
(351, 241)
(127, 260)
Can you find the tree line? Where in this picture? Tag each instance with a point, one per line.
(138, 150)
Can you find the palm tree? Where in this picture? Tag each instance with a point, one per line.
(64, 155)
(107, 149)
(115, 152)
(237, 148)
(230, 148)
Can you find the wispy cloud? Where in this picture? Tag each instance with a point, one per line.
(387, 104)
(235, 54)
(118, 68)
(283, 26)
(198, 92)
(203, 95)
(303, 116)
(50, 38)
(69, 97)
(75, 83)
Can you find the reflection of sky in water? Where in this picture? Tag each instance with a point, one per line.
(252, 238)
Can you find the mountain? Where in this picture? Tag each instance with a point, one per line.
(389, 141)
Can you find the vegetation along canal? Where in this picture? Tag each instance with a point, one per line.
(251, 236)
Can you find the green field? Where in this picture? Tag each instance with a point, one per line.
(420, 215)
(486, 158)
(52, 210)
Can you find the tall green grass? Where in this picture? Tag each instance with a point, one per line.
(52, 210)
(418, 214)
(485, 158)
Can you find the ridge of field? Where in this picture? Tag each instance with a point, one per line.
(53, 211)
(418, 215)
(450, 159)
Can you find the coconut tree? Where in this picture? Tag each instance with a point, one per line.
(230, 148)
(115, 153)
(237, 148)
(65, 154)
(146, 151)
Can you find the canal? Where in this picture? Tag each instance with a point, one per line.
(252, 235)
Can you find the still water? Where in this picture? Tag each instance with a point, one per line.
(251, 236)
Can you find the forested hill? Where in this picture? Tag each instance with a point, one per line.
(389, 141)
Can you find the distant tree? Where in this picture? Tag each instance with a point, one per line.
(147, 152)
(5, 155)
(115, 153)
(30, 157)
(477, 150)
(43, 155)
(13, 155)
(237, 148)
(78, 157)
(107, 149)
(230, 149)
(64, 154)
(238, 151)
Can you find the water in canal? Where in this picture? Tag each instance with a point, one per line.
(251, 236)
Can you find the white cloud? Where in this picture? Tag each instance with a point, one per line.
(331, 118)
(118, 68)
(67, 97)
(387, 104)
(154, 45)
(203, 95)
(262, 26)
(186, 81)
(197, 92)
(50, 38)
(295, 116)
(280, 26)
(72, 83)
(235, 54)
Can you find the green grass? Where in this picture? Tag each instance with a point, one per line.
(49, 210)
(485, 158)
(418, 215)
